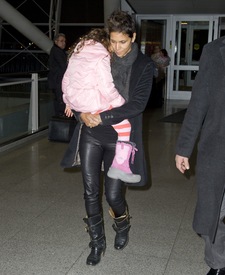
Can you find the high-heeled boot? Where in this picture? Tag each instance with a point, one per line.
(122, 227)
(95, 228)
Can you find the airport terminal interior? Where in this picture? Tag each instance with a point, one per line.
(41, 205)
(42, 209)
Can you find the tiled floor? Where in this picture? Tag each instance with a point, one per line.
(41, 211)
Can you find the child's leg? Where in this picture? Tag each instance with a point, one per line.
(120, 168)
(123, 130)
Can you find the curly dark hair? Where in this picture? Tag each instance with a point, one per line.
(122, 22)
(96, 35)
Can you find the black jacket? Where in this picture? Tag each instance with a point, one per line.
(139, 92)
(206, 116)
(57, 66)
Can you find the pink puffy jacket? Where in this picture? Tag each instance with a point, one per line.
(87, 83)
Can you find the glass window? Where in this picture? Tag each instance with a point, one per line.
(183, 80)
(191, 36)
(153, 33)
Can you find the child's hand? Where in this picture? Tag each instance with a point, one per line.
(68, 112)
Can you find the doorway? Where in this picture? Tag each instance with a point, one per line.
(184, 38)
(153, 36)
(190, 34)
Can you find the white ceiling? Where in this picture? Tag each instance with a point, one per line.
(177, 6)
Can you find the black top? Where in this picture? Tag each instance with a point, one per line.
(57, 66)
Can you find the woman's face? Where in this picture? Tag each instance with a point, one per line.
(121, 43)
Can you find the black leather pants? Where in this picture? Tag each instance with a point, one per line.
(97, 145)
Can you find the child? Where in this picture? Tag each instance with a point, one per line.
(88, 87)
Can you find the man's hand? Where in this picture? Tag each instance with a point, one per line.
(182, 163)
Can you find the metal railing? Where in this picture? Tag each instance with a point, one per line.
(26, 106)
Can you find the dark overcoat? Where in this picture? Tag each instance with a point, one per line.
(139, 92)
(57, 66)
(205, 118)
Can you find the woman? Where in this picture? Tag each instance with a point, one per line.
(88, 86)
(132, 73)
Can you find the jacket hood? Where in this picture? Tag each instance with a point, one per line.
(91, 49)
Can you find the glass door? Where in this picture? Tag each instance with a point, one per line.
(190, 34)
(184, 37)
(221, 27)
(154, 34)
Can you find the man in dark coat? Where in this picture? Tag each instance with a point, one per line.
(206, 116)
(57, 68)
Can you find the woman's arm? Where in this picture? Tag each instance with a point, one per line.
(138, 98)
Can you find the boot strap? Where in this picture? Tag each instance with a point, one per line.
(126, 215)
(95, 243)
(120, 230)
(89, 227)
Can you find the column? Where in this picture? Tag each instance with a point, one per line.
(109, 7)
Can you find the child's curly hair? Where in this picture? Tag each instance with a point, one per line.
(96, 35)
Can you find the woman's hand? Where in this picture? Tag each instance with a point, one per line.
(182, 163)
(95, 119)
(91, 120)
(68, 112)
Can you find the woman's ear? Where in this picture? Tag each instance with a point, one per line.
(134, 37)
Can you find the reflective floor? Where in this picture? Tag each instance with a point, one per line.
(42, 209)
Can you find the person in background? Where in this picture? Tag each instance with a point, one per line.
(161, 60)
(57, 68)
(95, 139)
(88, 86)
(205, 121)
(156, 53)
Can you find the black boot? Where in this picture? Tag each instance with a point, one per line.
(95, 228)
(122, 227)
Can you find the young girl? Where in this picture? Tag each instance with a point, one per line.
(88, 87)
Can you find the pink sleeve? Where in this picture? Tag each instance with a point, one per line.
(65, 84)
